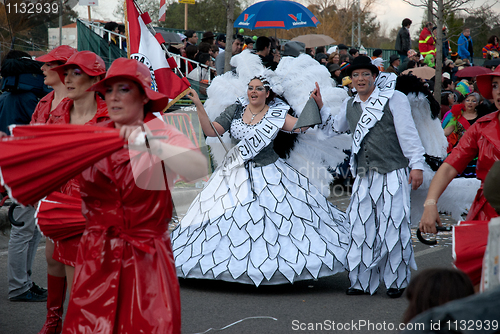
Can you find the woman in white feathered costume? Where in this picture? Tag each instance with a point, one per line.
(260, 219)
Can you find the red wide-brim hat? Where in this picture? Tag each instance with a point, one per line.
(87, 61)
(61, 53)
(484, 83)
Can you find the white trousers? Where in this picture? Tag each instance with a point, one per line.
(380, 247)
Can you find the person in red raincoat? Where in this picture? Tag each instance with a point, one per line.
(76, 73)
(482, 139)
(125, 278)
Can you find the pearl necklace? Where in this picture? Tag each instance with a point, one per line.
(253, 115)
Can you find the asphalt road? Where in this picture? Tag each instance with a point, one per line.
(215, 306)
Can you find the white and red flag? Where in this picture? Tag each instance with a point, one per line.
(163, 10)
(146, 48)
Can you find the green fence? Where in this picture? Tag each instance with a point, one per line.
(90, 41)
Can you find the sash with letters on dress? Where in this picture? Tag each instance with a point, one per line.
(373, 111)
(259, 136)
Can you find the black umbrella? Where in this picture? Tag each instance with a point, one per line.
(492, 62)
(170, 37)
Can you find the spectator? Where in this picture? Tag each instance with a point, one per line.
(353, 53)
(342, 49)
(235, 49)
(403, 40)
(320, 51)
(214, 51)
(311, 52)
(377, 59)
(334, 58)
(221, 42)
(491, 49)
(121, 31)
(191, 37)
(410, 55)
(263, 49)
(347, 85)
(343, 59)
(335, 74)
(434, 287)
(22, 83)
(111, 37)
(465, 47)
(448, 99)
(22, 86)
(429, 61)
(191, 52)
(208, 37)
(448, 66)
(426, 42)
(249, 42)
(394, 62)
(201, 73)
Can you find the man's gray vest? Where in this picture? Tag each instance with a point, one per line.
(380, 149)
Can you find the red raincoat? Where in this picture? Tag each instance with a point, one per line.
(65, 250)
(42, 110)
(125, 277)
(482, 139)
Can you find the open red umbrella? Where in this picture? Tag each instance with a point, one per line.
(59, 216)
(469, 244)
(39, 159)
(472, 71)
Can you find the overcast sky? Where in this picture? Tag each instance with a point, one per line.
(390, 13)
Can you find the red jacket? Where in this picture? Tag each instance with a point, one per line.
(125, 277)
(482, 139)
(65, 250)
(426, 43)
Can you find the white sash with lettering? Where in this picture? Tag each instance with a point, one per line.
(259, 136)
(373, 111)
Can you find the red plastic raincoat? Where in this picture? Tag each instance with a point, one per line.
(482, 139)
(125, 278)
(65, 250)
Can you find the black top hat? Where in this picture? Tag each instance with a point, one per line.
(207, 35)
(361, 62)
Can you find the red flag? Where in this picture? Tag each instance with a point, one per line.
(146, 48)
(163, 9)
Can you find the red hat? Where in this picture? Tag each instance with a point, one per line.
(484, 83)
(89, 62)
(138, 72)
(61, 53)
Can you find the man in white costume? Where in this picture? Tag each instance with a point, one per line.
(386, 157)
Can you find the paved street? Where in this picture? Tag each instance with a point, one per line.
(267, 309)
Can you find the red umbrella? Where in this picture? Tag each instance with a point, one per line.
(469, 244)
(39, 159)
(59, 216)
(472, 71)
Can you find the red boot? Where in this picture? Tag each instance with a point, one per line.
(55, 304)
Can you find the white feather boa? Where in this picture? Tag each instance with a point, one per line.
(293, 79)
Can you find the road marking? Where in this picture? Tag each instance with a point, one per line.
(427, 251)
(7, 252)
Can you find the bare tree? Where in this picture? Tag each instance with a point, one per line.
(229, 34)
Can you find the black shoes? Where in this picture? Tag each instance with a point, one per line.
(35, 288)
(355, 292)
(395, 293)
(29, 296)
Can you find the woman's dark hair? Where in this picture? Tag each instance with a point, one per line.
(491, 40)
(204, 47)
(444, 98)
(203, 58)
(434, 287)
(191, 51)
(412, 64)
